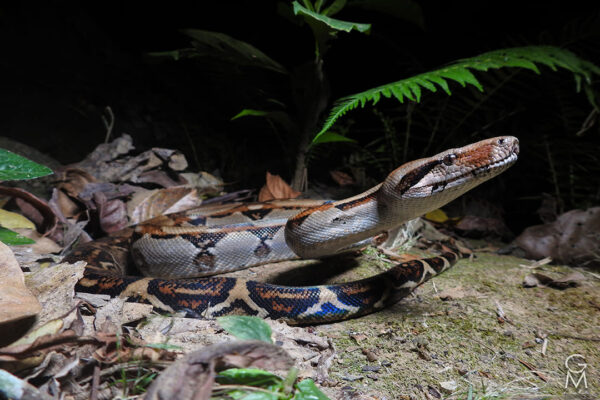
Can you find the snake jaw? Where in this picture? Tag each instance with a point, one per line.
(455, 170)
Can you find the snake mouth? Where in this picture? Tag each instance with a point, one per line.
(478, 175)
(504, 162)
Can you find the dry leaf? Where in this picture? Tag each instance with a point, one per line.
(72, 181)
(537, 279)
(40, 211)
(112, 213)
(342, 178)
(16, 301)
(276, 189)
(12, 220)
(192, 377)
(149, 204)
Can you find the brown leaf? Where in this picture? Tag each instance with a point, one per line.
(112, 213)
(16, 301)
(72, 181)
(192, 377)
(160, 178)
(150, 204)
(276, 189)
(536, 279)
(342, 178)
(48, 221)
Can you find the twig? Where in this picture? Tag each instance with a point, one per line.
(126, 367)
(567, 336)
(544, 346)
(552, 172)
(533, 369)
(95, 383)
(192, 145)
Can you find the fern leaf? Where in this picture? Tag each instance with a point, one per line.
(527, 57)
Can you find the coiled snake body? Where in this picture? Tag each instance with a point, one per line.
(178, 252)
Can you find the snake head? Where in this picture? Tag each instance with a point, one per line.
(439, 179)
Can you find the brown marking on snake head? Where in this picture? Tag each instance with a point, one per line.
(356, 202)
(297, 219)
(414, 176)
(476, 157)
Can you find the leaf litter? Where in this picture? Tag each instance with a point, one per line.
(454, 343)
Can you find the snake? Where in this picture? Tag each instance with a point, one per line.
(175, 262)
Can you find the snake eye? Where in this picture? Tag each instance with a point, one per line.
(501, 141)
(449, 159)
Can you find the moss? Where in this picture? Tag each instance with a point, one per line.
(423, 340)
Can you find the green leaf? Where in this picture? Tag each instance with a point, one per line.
(13, 238)
(527, 57)
(307, 390)
(335, 7)
(248, 376)
(250, 112)
(332, 23)
(246, 327)
(331, 136)
(226, 48)
(15, 167)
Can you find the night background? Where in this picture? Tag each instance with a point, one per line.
(63, 64)
(242, 88)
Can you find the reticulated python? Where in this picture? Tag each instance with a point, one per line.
(176, 252)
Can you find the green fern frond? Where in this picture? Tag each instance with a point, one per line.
(528, 57)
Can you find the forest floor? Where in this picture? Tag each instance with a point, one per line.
(474, 332)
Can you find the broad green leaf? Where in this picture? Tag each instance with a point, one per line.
(248, 376)
(335, 7)
(246, 327)
(15, 167)
(250, 112)
(13, 238)
(307, 390)
(219, 46)
(331, 136)
(527, 57)
(164, 346)
(332, 23)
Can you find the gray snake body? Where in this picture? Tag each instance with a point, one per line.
(177, 252)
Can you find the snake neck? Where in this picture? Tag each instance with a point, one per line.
(408, 192)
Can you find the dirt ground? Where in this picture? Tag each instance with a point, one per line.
(448, 338)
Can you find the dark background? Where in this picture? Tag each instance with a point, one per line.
(63, 64)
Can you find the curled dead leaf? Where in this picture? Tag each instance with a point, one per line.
(276, 188)
(17, 303)
(342, 178)
(149, 204)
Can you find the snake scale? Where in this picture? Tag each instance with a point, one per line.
(177, 253)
